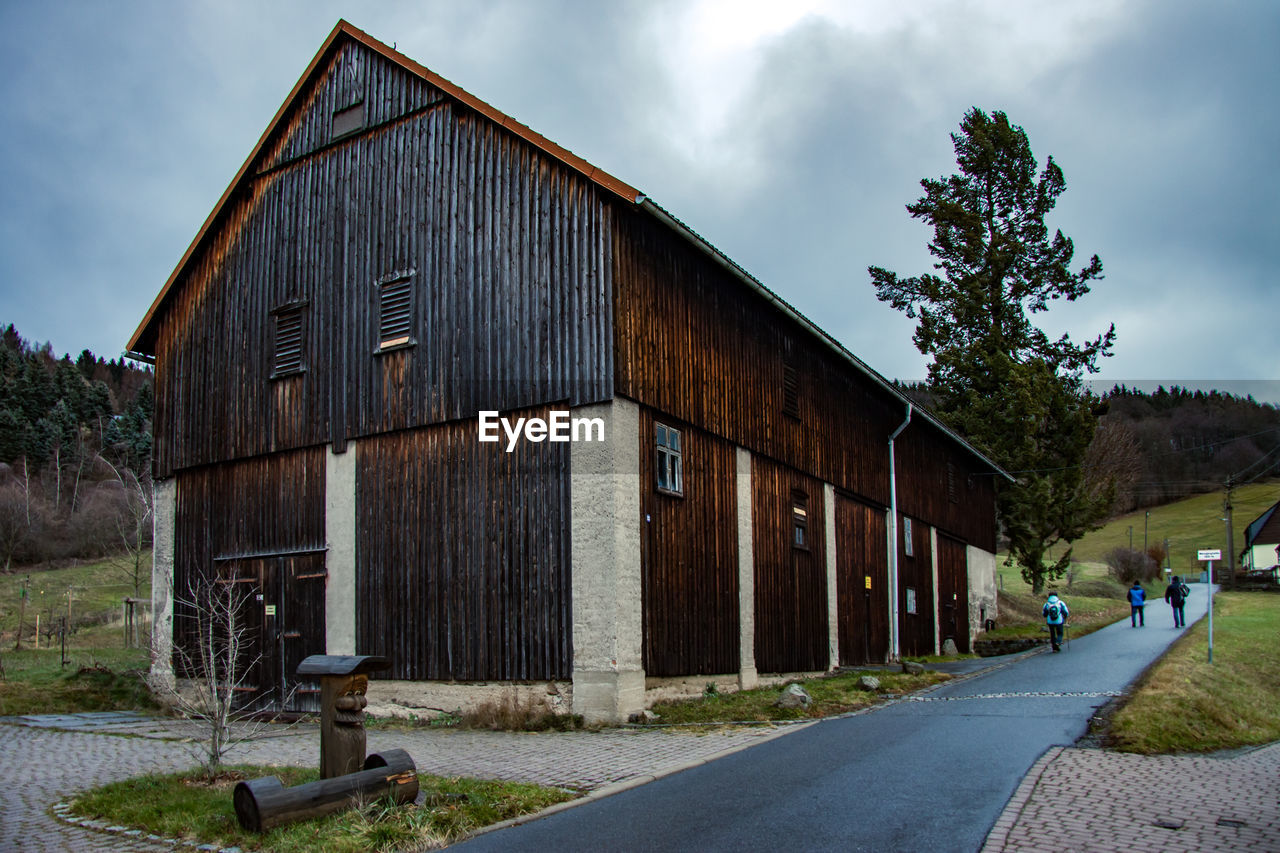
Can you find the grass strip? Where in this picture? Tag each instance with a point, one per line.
(193, 807)
(1186, 704)
(831, 695)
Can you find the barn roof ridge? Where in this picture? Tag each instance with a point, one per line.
(616, 186)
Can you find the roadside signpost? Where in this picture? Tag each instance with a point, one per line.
(1208, 556)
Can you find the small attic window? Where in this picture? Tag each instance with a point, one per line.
(348, 120)
(790, 391)
(287, 344)
(395, 313)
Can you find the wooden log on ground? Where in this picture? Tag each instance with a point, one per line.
(262, 804)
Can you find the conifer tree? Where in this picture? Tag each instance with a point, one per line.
(997, 378)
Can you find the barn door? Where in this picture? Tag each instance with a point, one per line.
(953, 592)
(284, 623)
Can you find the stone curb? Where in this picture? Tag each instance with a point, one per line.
(62, 812)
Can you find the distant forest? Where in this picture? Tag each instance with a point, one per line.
(1174, 442)
(1189, 442)
(75, 453)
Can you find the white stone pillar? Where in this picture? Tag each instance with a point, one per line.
(164, 537)
(937, 597)
(340, 559)
(748, 677)
(833, 609)
(608, 671)
(980, 566)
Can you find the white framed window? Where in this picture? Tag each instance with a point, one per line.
(911, 599)
(669, 459)
(908, 541)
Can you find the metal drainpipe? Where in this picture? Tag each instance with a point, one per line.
(894, 634)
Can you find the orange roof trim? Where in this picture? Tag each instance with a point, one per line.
(143, 340)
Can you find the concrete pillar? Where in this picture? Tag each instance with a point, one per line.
(340, 560)
(980, 566)
(608, 674)
(748, 677)
(833, 609)
(937, 597)
(164, 536)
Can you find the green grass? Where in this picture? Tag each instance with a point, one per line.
(1186, 704)
(102, 679)
(97, 592)
(187, 806)
(831, 694)
(1189, 524)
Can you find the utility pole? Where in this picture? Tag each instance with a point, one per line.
(1231, 536)
(1146, 522)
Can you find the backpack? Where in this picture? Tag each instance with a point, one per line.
(1053, 612)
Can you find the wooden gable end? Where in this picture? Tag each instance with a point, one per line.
(487, 253)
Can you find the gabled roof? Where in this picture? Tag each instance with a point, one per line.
(142, 344)
(1255, 527)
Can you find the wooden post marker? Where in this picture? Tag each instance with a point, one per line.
(343, 683)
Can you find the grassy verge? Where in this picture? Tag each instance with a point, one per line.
(36, 682)
(91, 593)
(191, 807)
(1186, 704)
(831, 695)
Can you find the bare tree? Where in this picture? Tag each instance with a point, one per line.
(13, 523)
(217, 655)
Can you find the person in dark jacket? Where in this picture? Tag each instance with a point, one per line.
(1176, 594)
(1137, 600)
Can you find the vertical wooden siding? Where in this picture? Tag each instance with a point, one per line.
(254, 508)
(506, 251)
(462, 564)
(693, 341)
(791, 583)
(862, 582)
(953, 592)
(690, 558)
(916, 572)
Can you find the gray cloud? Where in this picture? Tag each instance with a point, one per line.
(128, 120)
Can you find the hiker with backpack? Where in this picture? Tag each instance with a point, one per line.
(1055, 616)
(1176, 594)
(1137, 601)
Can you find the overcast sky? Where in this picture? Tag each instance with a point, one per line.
(790, 135)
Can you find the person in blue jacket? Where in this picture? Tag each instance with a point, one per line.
(1055, 616)
(1137, 600)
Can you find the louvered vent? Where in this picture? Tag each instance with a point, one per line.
(790, 391)
(395, 316)
(288, 342)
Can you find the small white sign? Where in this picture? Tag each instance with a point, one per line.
(271, 610)
(1215, 554)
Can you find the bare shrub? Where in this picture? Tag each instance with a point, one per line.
(1128, 565)
(511, 713)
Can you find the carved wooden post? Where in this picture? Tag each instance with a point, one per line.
(343, 682)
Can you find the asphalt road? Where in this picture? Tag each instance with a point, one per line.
(926, 774)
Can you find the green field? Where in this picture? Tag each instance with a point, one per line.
(92, 594)
(1189, 525)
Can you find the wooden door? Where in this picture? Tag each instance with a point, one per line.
(861, 582)
(283, 618)
(953, 592)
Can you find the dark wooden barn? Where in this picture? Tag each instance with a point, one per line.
(395, 263)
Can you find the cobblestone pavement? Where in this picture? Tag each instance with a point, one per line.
(1097, 801)
(44, 766)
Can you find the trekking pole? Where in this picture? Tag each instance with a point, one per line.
(1066, 634)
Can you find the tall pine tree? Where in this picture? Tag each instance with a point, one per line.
(997, 378)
